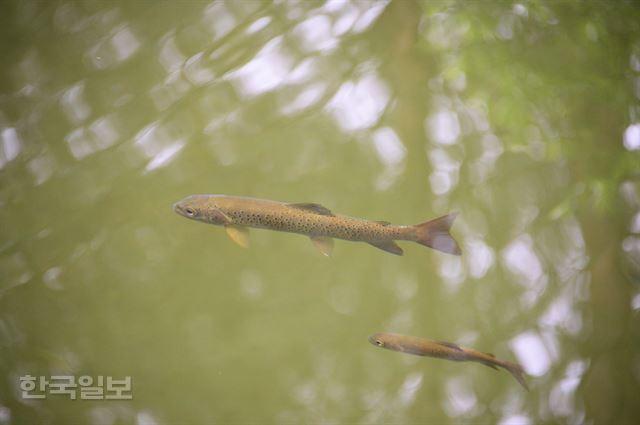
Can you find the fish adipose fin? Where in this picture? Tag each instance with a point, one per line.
(238, 234)
(435, 234)
(316, 208)
(389, 246)
(323, 243)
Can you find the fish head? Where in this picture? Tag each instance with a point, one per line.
(377, 339)
(201, 208)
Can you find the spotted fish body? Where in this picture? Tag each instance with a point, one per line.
(310, 219)
(444, 350)
(320, 224)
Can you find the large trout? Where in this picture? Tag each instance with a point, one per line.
(237, 214)
(444, 350)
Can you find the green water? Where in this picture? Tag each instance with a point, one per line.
(524, 117)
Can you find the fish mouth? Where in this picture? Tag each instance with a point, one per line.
(377, 340)
(179, 209)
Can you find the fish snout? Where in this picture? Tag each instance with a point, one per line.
(376, 340)
(185, 210)
(178, 208)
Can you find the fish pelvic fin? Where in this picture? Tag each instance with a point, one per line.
(435, 234)
(486, 359)
(323, 243)
(238, 234)
(314, 208)
(389, 246)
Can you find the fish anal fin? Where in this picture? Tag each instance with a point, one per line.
(389, 246)
(238, 234)
(315, 208)
(323, 243)
(450, 345)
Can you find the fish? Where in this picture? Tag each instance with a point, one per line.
(237, 214)
(445, 350)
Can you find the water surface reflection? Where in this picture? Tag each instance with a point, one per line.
(387, 110)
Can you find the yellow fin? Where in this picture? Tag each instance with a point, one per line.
(323, 243)
(239, 235)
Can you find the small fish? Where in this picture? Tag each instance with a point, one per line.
(444, 350)
(237, 214)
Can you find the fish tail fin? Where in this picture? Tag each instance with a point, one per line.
(435, 234)
(517, 371)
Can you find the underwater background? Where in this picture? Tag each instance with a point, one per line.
(522, 116)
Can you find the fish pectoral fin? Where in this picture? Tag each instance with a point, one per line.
(323, 243)
(238, 234)
(315, 208)
(227, 219)
(389, 246)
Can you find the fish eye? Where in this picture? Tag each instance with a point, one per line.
(379, 343)
(190, 211)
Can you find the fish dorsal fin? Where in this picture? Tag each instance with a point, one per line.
(389, 246)
(238, 234)
(323, 243)
(450, 345)
(316, 208)
(384, 223)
